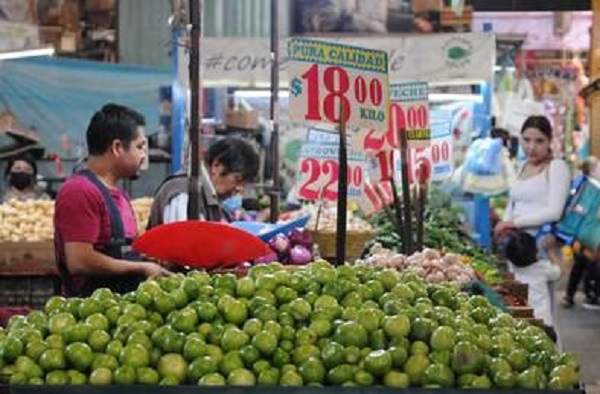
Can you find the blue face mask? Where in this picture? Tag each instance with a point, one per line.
(233, 203)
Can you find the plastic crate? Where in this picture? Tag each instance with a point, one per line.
(30, 291)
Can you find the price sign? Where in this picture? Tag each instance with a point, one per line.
(375, 197)
(318, 171)
(324, 77)
(384, 159)
(413, 111)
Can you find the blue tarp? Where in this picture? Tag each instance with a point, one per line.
(58, 96)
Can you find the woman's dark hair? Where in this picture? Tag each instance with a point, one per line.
(588, 165)
(236, 155)
(26, 157)
(539, 122)
(112, 122)
(521, 249)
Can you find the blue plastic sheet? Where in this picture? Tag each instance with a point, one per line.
(483, 157)
(58, 96)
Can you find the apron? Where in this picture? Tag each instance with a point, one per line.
(119, 247)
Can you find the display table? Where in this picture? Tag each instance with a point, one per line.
(28, 273)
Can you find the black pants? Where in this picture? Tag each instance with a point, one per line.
(585, 269)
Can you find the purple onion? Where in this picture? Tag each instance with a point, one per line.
(299, 255)
(280, 244)
(301, 236)
(266, 259)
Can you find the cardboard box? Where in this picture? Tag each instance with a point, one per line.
(27, 259)
(241, 119)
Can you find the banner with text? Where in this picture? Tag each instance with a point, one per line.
(240, 61)
(329, 78)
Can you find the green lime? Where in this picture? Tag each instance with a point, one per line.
(312, 371)
(79, 355)
(230, 362)
(212, 379)
(105, 361)
(125, 375)
(269, 377)
(101, 377)
(194, 348)
(351, 334)
(147, 375)
(56, 378)
(172, 365)
(266, 342)
(234, 339)
(200, 367)
(135, 356)
(241, 377)
(76, 378)
(378, 362)
(53, 359)
(341, 374)
(396, 379)
(291, 379)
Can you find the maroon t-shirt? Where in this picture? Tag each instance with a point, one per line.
(81, 215)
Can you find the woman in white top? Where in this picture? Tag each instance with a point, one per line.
(540, 192)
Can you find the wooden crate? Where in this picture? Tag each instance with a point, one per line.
(27, 259)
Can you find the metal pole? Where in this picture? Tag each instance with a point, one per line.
(195, 107)
(274, 112)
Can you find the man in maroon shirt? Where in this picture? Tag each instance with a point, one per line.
(93, 222)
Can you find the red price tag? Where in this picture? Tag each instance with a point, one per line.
(325, 77)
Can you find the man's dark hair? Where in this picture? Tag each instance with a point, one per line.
(521, 249)
(236, 155)
(112, 122)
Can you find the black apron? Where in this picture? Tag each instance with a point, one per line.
(119, 248)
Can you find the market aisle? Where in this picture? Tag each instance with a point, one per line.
(580, 333)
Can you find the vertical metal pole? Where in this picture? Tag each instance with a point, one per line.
(408, 222)
(342, 203)
(274, 112)
(194, 137)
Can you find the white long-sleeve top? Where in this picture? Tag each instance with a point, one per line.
(541, 198)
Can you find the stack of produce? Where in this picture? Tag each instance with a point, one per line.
(141, 209)
(27, 221)
(430, 264)
(313, 325)
(444, 229)
(328, 219)
(294, 248)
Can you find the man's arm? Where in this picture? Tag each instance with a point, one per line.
(82, 259)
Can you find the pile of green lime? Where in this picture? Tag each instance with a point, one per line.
(314, 325)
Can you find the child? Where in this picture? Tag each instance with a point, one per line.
(540, 275)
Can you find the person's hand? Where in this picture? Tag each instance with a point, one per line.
(153, 270)
(503, 227)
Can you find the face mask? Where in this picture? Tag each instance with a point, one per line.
(21, 180)
(232, 204)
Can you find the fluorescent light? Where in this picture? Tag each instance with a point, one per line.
(444, 97)
(27, 53)
(508, 68)
(260, 93)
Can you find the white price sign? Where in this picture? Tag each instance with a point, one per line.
(318, 169)
(326, 77)
(413, 111)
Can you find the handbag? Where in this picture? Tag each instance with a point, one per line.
(581, 218)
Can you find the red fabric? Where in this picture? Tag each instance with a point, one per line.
(8, 312)
(82, 216)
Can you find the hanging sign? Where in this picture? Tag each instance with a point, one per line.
(325, 76)
(384, 157)
(413, 111)
(318, 168)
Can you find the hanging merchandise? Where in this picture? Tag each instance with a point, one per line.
(488, 169)
(519, 105)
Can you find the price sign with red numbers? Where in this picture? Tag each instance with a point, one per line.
(384, 158)
(413, 111)
(318, 170)
(326, 77)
